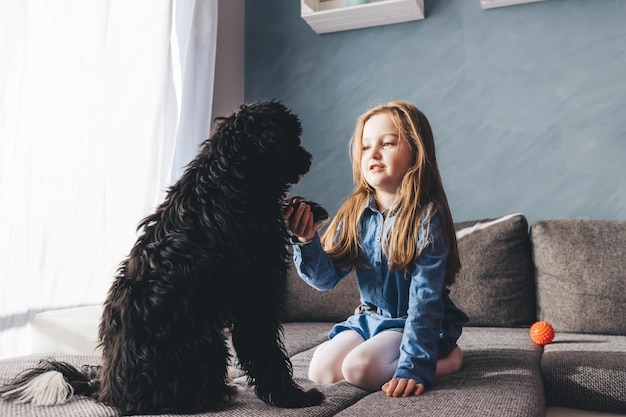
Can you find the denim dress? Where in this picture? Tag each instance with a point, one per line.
(416, 304)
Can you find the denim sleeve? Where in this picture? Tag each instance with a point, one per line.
(314, 265)
(418, 350)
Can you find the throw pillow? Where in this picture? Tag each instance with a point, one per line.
(581, 274)
(495, 286)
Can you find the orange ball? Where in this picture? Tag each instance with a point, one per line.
(541, 333)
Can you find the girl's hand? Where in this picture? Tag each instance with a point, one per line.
(300, 222)
(403, 388)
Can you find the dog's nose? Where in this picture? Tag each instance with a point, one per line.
(306, 160)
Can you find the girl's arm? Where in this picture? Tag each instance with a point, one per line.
(313, 264)
(418, 350)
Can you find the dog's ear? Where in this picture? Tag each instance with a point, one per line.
(273, 135)
(270, 123)
(259, 143)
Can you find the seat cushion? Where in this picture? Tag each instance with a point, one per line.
(586, 372)
(339, 395)
(500, 377)
(496, 285)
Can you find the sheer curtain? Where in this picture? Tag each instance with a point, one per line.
(102, 103)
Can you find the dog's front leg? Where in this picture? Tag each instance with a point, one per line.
(257, 339)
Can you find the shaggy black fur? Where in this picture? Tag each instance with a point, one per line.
(212, 256)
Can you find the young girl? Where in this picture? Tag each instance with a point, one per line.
(396, 230)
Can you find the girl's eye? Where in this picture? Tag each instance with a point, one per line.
(365, 147)
(388, 143)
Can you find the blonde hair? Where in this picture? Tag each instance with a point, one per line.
(420, 187)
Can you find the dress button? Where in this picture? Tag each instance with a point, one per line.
(377, 238)
(377, 263)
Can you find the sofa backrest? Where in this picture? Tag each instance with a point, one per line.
(581, 274)
(496, 285)
(305, 303)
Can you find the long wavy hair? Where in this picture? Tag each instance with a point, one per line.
(421, 187)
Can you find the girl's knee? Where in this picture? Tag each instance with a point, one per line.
(321, 375)
(323, 370)
(325, 366)
(356, 373)
(364, 371)
(353, 369)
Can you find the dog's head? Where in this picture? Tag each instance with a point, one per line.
(260, 144)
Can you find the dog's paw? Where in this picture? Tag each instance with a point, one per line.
(299, 399)
(319, 212)
(232, 393)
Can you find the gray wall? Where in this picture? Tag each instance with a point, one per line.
(527, 102)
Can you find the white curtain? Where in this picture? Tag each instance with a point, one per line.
(102, 103)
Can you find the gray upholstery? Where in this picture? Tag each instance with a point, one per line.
(299, 337)
(339, 396)
(78, 406)
(581, 274)
(496, 285)
(500, 377)
(305, 303)
(502, 381)
(586, 371)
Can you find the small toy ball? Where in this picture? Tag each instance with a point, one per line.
(541, 333)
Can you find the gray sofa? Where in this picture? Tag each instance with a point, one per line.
(571, 273)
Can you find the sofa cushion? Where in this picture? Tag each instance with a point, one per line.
(305, 303)
(496, 285)
(339, 396)
(581, 274)
(586, 372)
(500, 376)
(77, 406)
(299, 337)
(349, 393)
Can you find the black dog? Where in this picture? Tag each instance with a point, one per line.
(212, 256)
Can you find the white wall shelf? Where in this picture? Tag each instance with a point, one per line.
(490, 4)
(326, 16)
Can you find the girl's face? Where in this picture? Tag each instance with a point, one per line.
(385, 158)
